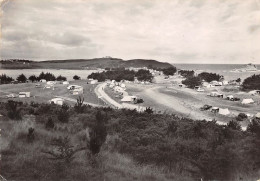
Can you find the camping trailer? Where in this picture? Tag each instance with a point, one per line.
(247, 101)
(24, 94)
(58, 101)
(128, 98)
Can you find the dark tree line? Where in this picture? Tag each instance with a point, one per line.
(4, 79)
(252, 83)
(122, 74)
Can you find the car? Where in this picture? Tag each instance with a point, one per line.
(205, 107)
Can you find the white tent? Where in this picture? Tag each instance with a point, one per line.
(122, 85)
(58, 101)
(224, 111)
(93, 81)
(65, 83)
(258, 115)
(50, 83)
(247, 101)
(118, 89)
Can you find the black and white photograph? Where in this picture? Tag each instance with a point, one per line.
(130, 90)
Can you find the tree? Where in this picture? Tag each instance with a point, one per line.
(4, 79)
(169, 71)
(191, 82)
(63, 114)
(61, 78)
(75, 77)
(79, 106)
(98, 134)
(208, 77)
(252, 83)
(33, 78)
(13, 111)
(21, 78)
(234, 125)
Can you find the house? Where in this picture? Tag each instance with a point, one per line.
(43, 81)
(58, 101)
(247, 101)
(224, 111)
(128, 98)
(24, 94)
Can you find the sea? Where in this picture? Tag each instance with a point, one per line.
(222, 69)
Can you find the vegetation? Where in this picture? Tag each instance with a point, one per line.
(21, 78)
(122, 74)
(61, 78)
(252, 83)
(13, 111)
(208, 77)
(192, 82)
(186, 73)
(47, 76)
(4, 79)
(75, 77)
(169, 147)
(33, 78)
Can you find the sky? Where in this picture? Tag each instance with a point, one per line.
(175, 31)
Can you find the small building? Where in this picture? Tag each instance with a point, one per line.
(24, 94)
(247, 101)
(58, 101)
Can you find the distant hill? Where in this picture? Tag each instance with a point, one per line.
(92, 64)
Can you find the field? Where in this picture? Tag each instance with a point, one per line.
(43, 95)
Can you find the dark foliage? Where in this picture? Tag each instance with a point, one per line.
(33, 78)
(61, 78)
(252, 83)
(241, 117)
(192, 82)
(234, 125)
(47, 76)
(76, 77)
(169, 71)
(30, 135)
(98, 134)
(4, 79)
(122, 74)
(21, 78)
(148, 110)
(63, 114)
(208, 77)
(49, 124)
(254, 126)
(13, 111)
(186, 73)
(79, 106)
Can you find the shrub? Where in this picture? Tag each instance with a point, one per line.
(252, 83)
(75, 77)
(208, 77)
(49, 124)
(79, 106)
(192, 82)
(30, 135)
(21, 78)
(13, 111)
(148, 110)
(98, 134)
(234, 125)
(33, 78)
(4, 79)
(63, 114)
(61, 78)
(241, 116)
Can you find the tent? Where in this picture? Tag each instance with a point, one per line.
(257, 115)
(118, 89)
(230, 97)
(43, 80)
(122, 85)
(65, 83)
(93, 81)
(214, 109)
(247, 101)
(224, 111)
(58, 101)
(50, 83)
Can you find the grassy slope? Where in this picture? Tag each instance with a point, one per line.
(89, 64)
(25, 161)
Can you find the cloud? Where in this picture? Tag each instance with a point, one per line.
(191, 31)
